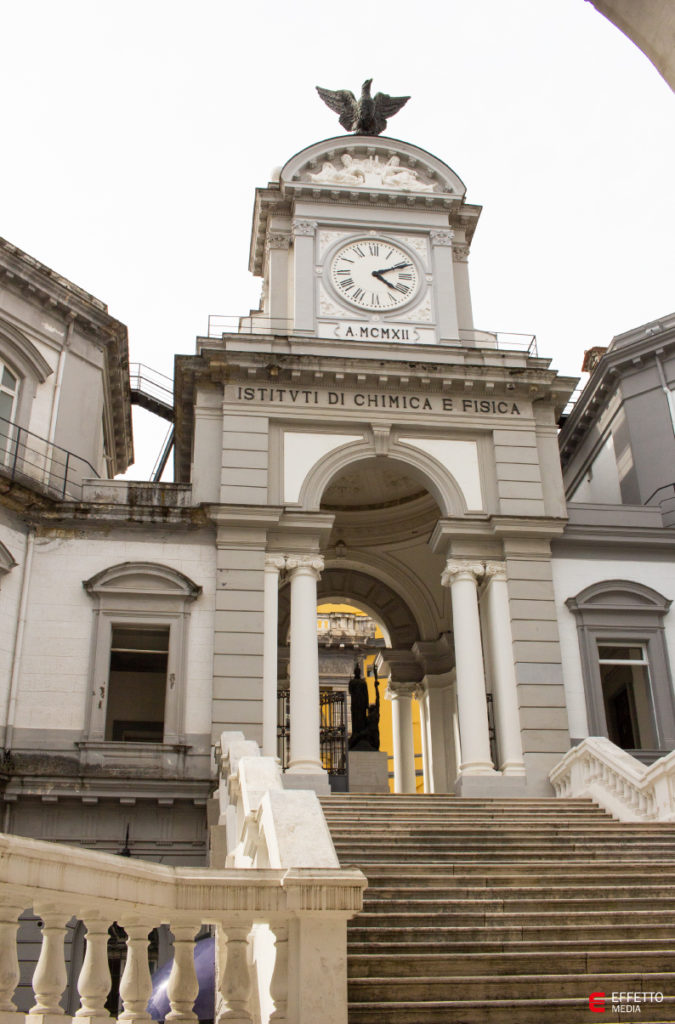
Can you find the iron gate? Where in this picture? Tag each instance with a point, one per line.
(333, 730)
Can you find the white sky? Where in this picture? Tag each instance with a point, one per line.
(136, 131)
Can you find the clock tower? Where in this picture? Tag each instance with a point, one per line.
(364, 238)
(358, 440)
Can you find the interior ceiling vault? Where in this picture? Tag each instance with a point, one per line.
(355, 587)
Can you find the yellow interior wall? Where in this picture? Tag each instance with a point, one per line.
(386, 735)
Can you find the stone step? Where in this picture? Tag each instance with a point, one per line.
(597, 867)
(581, 877)
(579, 945)
(519, 905)
(505, 932)
(523, 986)
(442, 829)
(448, 964)
(491, 839)
(579, 891)
(482, 860)
(474, 915)
(500, 1011)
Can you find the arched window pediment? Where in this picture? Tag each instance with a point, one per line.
(22, 353)
(7, 562)
(142, 577)
(618, 596)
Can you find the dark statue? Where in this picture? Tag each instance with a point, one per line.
(365, 717)
(365, 116)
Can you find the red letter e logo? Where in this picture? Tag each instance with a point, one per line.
(596, 1001)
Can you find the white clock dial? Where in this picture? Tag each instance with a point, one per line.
(374, 274)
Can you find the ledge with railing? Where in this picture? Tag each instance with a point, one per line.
(617, 781)
(259, 324)
(32, 460)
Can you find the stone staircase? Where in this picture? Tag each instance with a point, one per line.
(505, 911)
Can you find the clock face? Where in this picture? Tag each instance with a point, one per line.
(374, 274)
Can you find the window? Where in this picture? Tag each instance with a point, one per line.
(624, 661)
(9, 389)
(138, 674)
(137, 684)
(626, 692)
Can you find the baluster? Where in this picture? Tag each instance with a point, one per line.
(279, 983)
(183, 986)
(94, 981)
(235, 984)
(49, 977)
(9, 961)
(136, 986)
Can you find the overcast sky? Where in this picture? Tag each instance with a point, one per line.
(135, 132)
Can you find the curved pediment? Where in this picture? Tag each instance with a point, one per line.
(366, 164)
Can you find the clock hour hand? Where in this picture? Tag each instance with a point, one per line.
(378, 275)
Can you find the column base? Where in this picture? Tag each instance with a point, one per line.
(477, 768)
(513, 769)
(48, 1018)
(317, 781)
(496, 785)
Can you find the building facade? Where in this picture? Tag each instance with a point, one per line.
(357, 440)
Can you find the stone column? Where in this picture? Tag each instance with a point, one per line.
(441, 258)
(400, 694)
(460, 267)
(273, 566)
(305, 713)
(303, 301)
(277, 245)
(500, 645)
(422, 700)
(462, 578)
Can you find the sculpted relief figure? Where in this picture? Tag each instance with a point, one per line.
(371, 172)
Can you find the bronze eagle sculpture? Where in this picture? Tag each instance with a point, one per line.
(365, 116)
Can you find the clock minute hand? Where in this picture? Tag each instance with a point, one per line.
(397, 266)
(378, 275)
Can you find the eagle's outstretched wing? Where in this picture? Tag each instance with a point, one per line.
(343, 102)
(386, 106)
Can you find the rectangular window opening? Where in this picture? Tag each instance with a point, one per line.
(139, 658)
(626, 691)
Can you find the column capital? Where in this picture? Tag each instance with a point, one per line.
(396, 690)
(456, 569)
(460, 253)
(275, 563)
(495, 571)
(278, 240)
(442, 237)
(312, 564)
(303, 227)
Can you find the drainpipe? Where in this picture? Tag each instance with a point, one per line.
(56, 397)
(18, 640)
(670, 396)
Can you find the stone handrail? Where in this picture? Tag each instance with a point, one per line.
(266, 825)
(279, 911)
(618, 782)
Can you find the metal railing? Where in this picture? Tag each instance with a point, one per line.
(27, 458)
(151, 390)
(333, 730)
(261, 324)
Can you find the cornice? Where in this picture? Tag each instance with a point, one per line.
(315, 363)
(40, 285)
(626, 355)
(632, 541)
